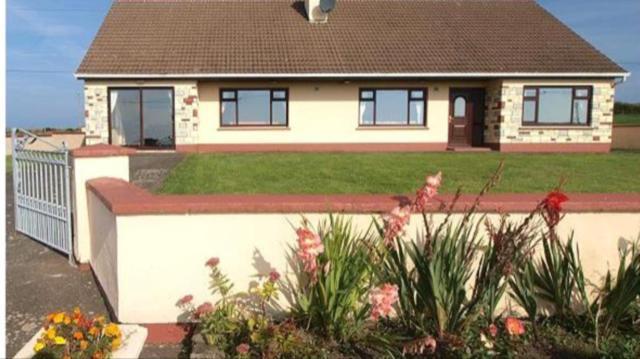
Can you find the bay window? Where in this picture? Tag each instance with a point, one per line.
(570, 106)
(253, 107)
(392, 107)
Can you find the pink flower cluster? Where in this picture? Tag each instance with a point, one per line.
(382, 300)
(309, 248)
(203, 309)
(212, 262)
(427, 192)
(394, 223)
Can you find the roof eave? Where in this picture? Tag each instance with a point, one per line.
(623, 75)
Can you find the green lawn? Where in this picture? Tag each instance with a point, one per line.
(327, 173)
(627, 119)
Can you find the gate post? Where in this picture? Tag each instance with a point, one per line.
(91, 162)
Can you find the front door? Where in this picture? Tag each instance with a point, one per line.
(466, 117)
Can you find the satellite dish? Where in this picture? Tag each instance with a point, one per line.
(327, 5)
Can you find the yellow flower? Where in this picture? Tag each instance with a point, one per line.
(67, 320)
(58, 318)
(84, 345)
(59, 340)
(115, 344)
(100, 319)
(51, 333)
(112, 330)
(39, 346)
(76, 311)
(94, 331)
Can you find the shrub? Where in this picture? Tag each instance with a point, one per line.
(73, 335)
(434, 277)
(336, 295)
(619, 297)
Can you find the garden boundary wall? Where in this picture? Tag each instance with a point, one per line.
(150, 250)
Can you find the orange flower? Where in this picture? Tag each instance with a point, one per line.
(58, 317)
(97, 355)
(76, 311)
(78, 335)
(67, 320)
(94, 331)
(84, 345)
(66, 356)
(514, 326)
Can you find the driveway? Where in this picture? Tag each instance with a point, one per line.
(40, 280)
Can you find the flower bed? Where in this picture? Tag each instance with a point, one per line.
(384, 292)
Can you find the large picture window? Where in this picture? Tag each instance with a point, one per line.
(393, 107)
(254, 107)
(556, 106)
(141, 117)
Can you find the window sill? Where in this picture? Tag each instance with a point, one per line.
(392, 128)
(558, 127)
(254, 128)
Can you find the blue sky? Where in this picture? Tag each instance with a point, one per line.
(47, 39)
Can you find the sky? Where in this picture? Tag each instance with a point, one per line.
(47, 39)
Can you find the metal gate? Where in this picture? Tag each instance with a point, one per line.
(41, 187)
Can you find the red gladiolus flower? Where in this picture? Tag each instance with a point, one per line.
(185, 300)
(552, 206)
(212, 262)
(514, 326)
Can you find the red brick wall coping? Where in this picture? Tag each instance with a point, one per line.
(124, 198)
(102, 150)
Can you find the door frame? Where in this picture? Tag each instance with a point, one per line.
(475, 118)
(140, 88)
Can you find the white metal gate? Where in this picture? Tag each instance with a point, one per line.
(42, 191)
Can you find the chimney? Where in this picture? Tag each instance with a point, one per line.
(318, 10)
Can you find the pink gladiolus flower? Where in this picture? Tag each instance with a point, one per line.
(382, 300)
(243, 348)
(309, 248)
(185, 300)
(492, 330)
(212, 262)
(394, 223)
(274, 276)
(203, 309)
(427, 192)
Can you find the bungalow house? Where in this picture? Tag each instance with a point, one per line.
(354, 75)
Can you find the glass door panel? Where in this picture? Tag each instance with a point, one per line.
(157, 115)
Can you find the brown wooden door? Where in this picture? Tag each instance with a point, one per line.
(466, 117)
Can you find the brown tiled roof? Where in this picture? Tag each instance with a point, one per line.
(361, 37)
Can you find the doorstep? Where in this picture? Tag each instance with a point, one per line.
(468, 149)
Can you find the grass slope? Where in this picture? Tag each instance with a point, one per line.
(327, 173)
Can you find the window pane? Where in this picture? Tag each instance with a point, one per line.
(279, 112)
(279, 95)
(530, 93)
(366, 113)
(582, 93)
(460, 107)
(529, 112)
(228, 113)
(253, 107)
(416, 113)
(417, 94)
(367, 95)
(555, 105)
(580, 111)
(125, 117)
(228, 95)
(157, 108)
(391, 107)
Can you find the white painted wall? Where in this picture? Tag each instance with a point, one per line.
(84, 169)
(161, 257)
(104, 248)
